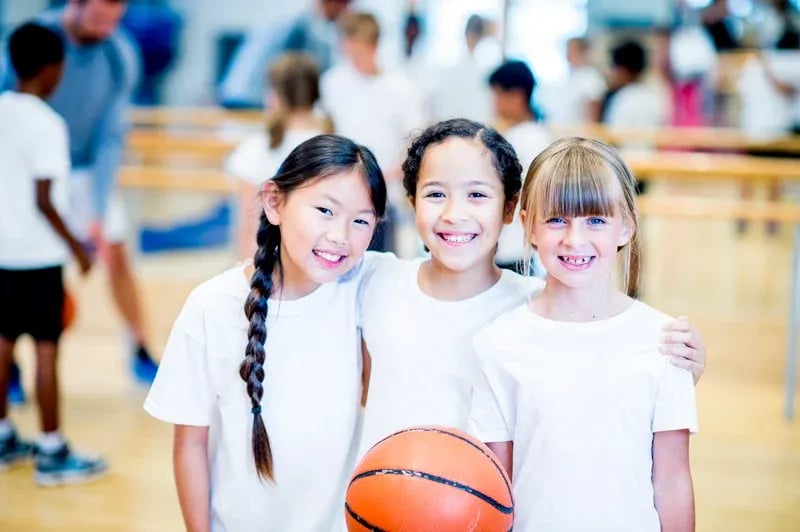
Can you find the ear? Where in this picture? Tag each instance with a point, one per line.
(412, 201)
(272, 201)
(508, 209)
(625, 236)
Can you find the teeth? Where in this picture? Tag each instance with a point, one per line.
(329, 256)
(458, 238)
(577, 260)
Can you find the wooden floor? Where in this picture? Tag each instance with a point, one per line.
(746, 459)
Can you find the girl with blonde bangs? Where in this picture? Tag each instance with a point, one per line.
(589, 419)
(579, 177)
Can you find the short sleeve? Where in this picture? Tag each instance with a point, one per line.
(491, 409)
(675, 407)
(248, 161)
(181, 392)
(49, 157)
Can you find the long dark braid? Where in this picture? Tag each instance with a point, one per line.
(255, 308)
(316, 158)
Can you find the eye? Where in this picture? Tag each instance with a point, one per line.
(435, 195)
(325, 211)
(555, 221)
(361, 221)
(594, 220)
(478, 195)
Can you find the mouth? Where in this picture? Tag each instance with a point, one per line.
(576, 262)
(328, 259)
(457, 239)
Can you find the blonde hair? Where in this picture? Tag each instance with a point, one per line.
(361, 26)
(295, 79)
(583, 177)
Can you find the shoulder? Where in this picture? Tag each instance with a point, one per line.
(335, 75)
(38, 115)
(371, 264)
(518, 286)
(501, 331)
(127, 54)
(225, 288)
(647, 320)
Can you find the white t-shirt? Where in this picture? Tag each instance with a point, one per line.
(637, 105)
(33, 145)
(311, 403)
(254, 162)
(581, 402)
(380, 112)
(528, 139)
(566, 103)
(765, 111)
(420, 347)
(461, 90)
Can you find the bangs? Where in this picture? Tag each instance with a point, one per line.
(570, 186)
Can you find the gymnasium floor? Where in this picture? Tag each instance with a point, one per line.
(746, 459)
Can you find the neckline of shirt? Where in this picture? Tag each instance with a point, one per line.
(579, 326)
(318, 299)
(425, 299)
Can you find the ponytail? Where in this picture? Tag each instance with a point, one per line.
(251, 370)
(276, 128)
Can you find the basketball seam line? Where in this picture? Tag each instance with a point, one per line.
(361, 520)
(439, 480)
(491, 458)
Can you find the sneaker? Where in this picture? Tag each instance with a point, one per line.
(62, 466)
(14, 451)
(143, 366)
(16, 394)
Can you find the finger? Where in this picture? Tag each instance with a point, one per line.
(677, 338)
(681, 351)
(678, 324)
(684, 363)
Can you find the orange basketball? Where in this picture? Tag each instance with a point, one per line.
(429, 479)
(69, 311)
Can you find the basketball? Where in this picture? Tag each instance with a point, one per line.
(429, 479)
(69, 310)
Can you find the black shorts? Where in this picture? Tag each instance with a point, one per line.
(32, 302)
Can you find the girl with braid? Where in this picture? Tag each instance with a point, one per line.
(266, 400)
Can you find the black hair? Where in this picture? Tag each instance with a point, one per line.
(476, 25)
(631, 56)
(503, 155)
(32, 48)
(513, 75)
(317, 158)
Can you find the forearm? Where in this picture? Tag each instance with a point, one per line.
(504, 451)
(674, 499)
(58, 225)
(672, 481)
(190, 464)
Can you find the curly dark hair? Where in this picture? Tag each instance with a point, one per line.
(509, 170)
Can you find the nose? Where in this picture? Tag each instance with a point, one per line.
(573, 236)
(337, 233)
(454, 210)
